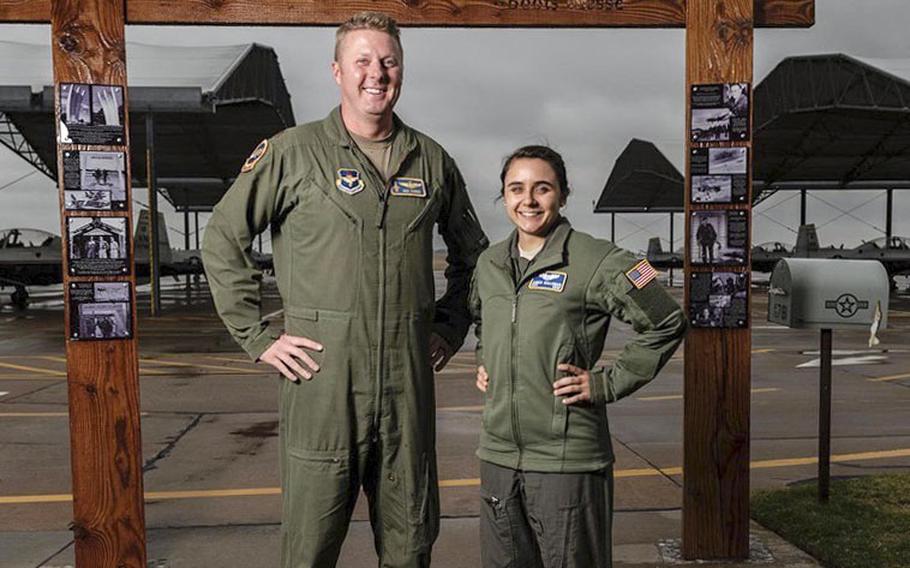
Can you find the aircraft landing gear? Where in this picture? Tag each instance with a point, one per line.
(19, 297)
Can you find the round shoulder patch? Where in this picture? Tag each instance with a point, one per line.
(254, 158)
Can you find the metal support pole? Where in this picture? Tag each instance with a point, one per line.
(613, 227)
(186, 243)
(196, 214)
(889, 217)
(824, 417)
(154, 265)
(671, 249)
(802, 207)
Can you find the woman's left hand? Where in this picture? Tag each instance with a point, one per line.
(576, 387)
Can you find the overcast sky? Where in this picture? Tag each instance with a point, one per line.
(482, 93)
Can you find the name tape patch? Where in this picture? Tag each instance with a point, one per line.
(550, 281)
(349, 181)
(409, 187)
(254, 158)
(641, 274)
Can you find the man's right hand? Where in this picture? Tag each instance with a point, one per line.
(483, 380)
(288, 356)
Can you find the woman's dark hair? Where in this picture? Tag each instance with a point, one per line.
(545, 153)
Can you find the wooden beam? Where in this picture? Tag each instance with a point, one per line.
(429, 13)
(25, 11)
(88, 46)
(719, 43)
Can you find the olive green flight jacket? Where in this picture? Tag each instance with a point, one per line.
(338, 246)
(560, 312)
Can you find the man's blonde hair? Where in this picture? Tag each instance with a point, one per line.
(368, 21)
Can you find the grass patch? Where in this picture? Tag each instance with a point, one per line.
(866, 524)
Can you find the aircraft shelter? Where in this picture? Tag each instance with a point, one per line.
(196, 112)
(821, 122)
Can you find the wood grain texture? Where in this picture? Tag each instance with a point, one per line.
(717, 361)
(457, 13)
(25, 11)
(87, 42)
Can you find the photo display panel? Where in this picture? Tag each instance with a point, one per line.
(100, 310)
(98, 246)
(719, 175)
(94, 181)
(720, 112)
(91, 114)
(719, 299)
(719, 238)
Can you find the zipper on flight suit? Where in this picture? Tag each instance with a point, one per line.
(380, 316)
(514, 402)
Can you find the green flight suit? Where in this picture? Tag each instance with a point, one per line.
(559, 312)
(546, 471)
(353, 260)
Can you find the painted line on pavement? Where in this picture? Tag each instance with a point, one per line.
(4, 393)
(167, 363)
(622, 473)
(460, 408)
(889, 378)
(39, 370)
(679, 396)
(43, 414)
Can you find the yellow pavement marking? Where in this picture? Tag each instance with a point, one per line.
(622, 473)
(197, 365)
(55, 358)
(38, 370)
(890, 378)
(32, 414)
(762, 350)
(231, 359)
(42, 414)
(679, 396)
(459, 408)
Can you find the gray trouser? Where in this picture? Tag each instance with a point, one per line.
(545, 520)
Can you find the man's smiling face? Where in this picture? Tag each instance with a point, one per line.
(369, 72)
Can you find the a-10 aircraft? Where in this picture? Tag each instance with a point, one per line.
(32, 257)
(894, 255)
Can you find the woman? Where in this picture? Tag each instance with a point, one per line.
(542, 301)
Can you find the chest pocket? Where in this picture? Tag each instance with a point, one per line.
(417, 250)
(325, 252)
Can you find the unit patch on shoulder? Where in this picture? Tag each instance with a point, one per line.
(349, 181)
(254, 158)
(551, 281)
(409, 187)
(641, 274)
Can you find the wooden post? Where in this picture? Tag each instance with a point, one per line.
(717, 361)
(103, 375)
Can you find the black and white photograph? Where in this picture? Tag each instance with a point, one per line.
(719, 175)
(91, 114)
(719, 238)
(720, 112)
(75, 104)
(719, 299)
(98, 246)
(100, 310)
(711, 189)
(94, 181)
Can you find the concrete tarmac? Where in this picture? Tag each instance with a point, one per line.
(209, 433)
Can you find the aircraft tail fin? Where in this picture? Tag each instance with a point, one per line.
(654, 247)
(141, 239)
(807, 239)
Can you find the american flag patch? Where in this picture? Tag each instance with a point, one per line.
(640, 274)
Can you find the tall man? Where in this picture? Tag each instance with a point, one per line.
(351, 201)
